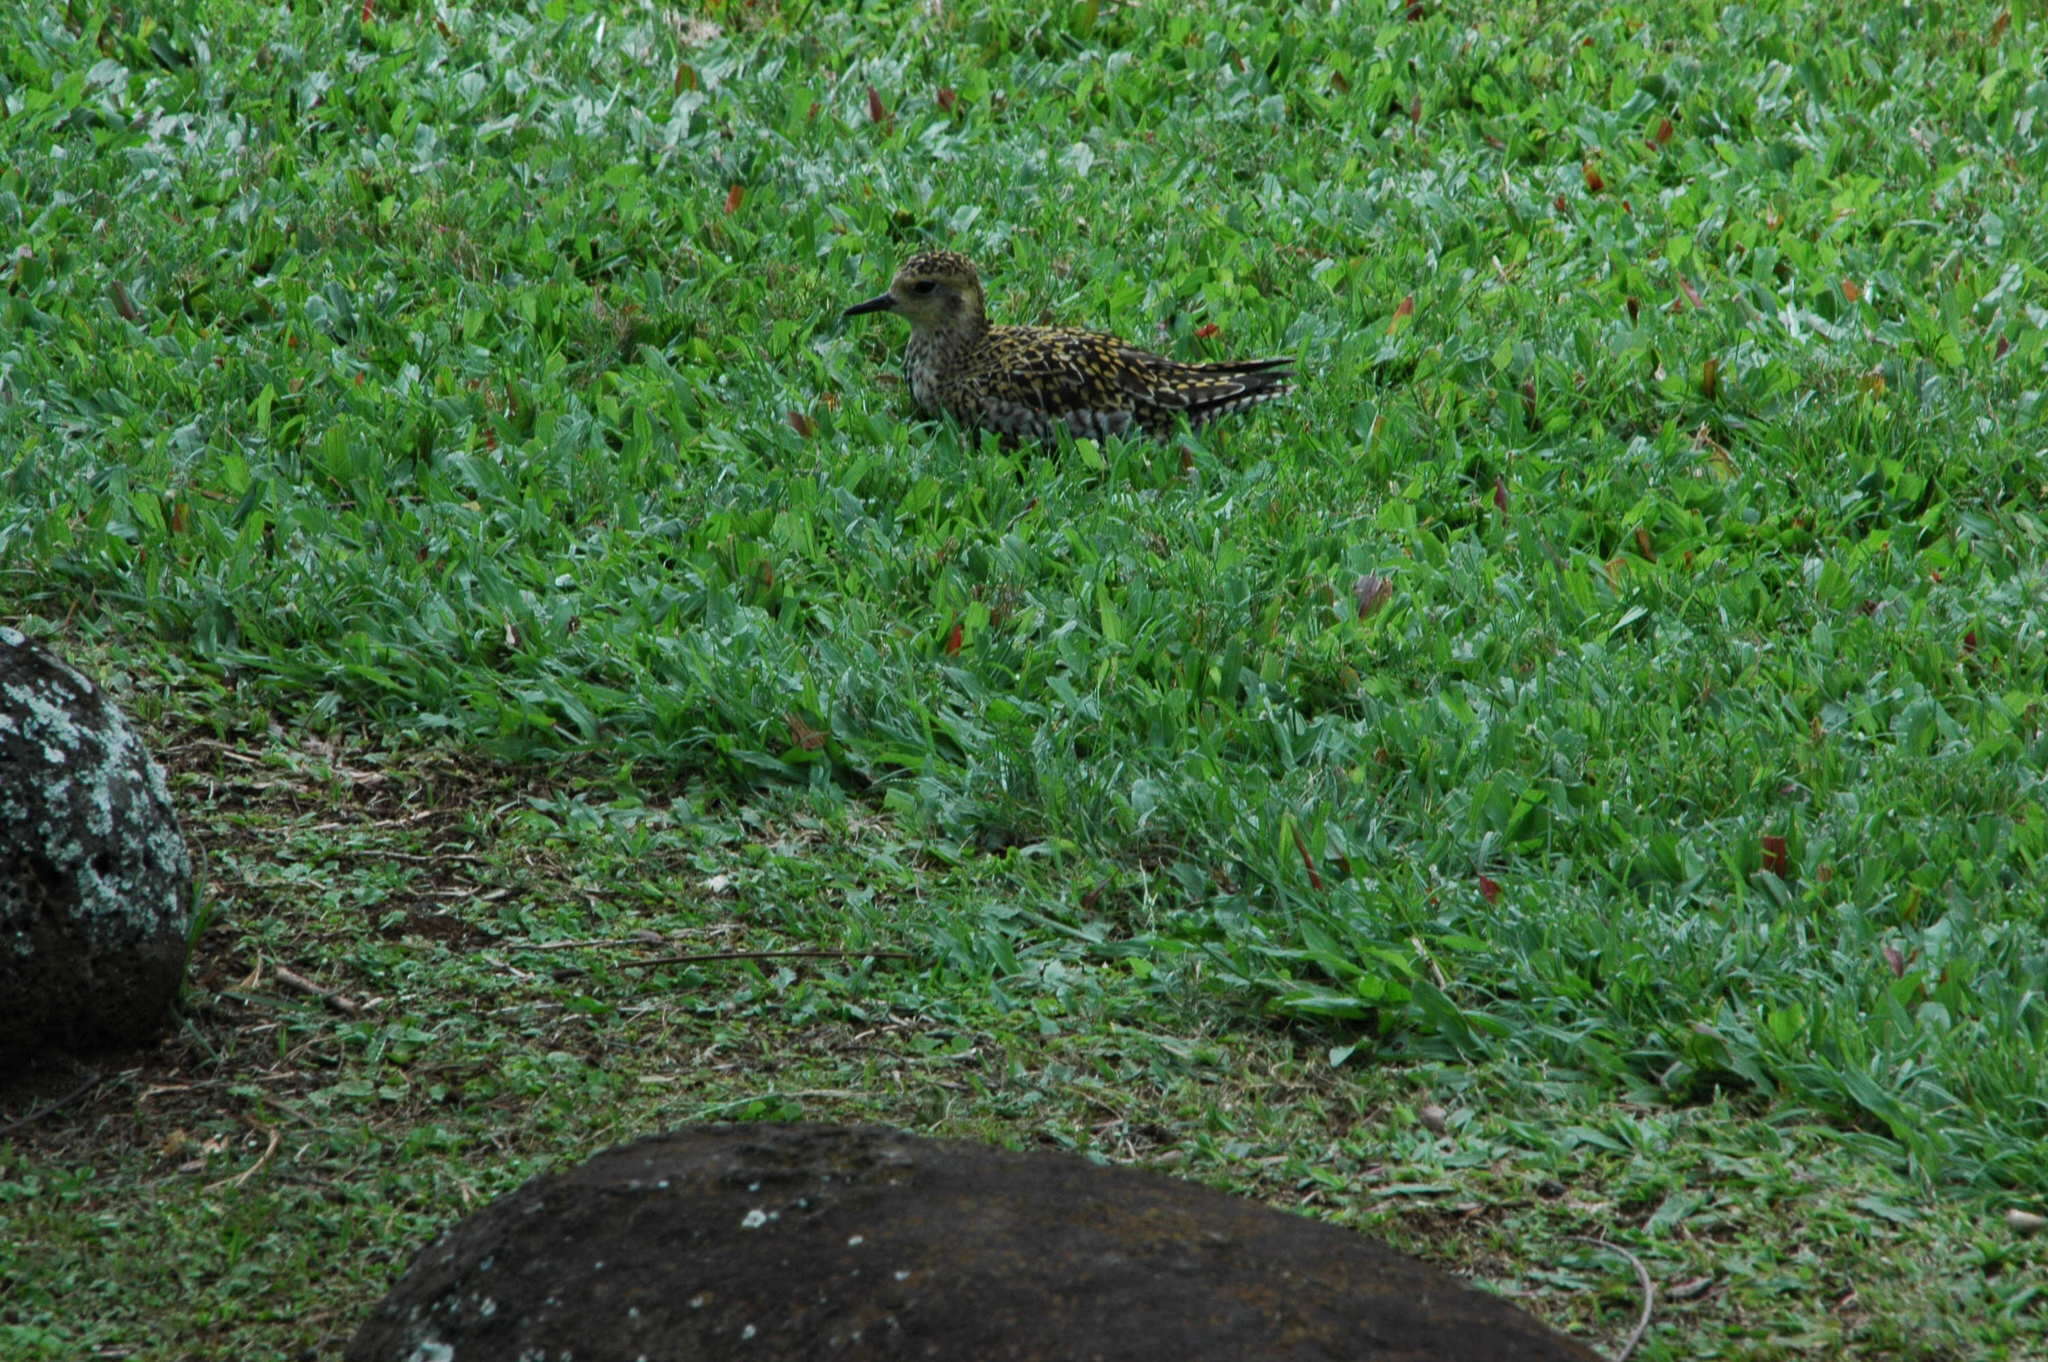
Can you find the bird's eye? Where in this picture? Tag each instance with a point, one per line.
(923, 286)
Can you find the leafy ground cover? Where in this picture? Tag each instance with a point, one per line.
(1601, 716)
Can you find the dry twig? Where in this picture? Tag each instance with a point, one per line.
(1635, 1335)
(708, 957)
(238, 1179)
(58, 1104)
(594, 944)
(349, 1006)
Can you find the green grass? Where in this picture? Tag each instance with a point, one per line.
(398, 409)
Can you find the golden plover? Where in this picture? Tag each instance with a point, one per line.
(1026, 381)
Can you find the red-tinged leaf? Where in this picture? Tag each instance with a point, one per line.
(1895, 962)
(1308, 862)
(1403, 311)
(1998, 350)
(1339, 84)
(1415, 109)
(1489, 889)
(1643, 545)
(1371, 591)
(369, 10)
(125, 305)
(765, 574)
(802, 734)
(811, 114)
(1634, 306)
(1690, 292)
(1775, 859)
(1710, 378)
(877, 111)
(734, 197)
(1559, 204)
(1594, 182)
(1206, 330)
(1852, 290)
(1969, 643)
(953, 638)
(1529, 400)
(1500, 495)
(1417, 11)
(1663, 133)
(831, 401)
(181, 517)
(2001, 24)
(802, 424)
(686, 77)
(949, 102)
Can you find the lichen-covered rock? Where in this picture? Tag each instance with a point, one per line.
(95, 877)
(799, 1243)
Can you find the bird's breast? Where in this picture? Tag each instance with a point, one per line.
(924, 365)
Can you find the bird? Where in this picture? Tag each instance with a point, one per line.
(1029, 382)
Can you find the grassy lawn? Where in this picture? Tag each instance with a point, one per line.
(1575, 768)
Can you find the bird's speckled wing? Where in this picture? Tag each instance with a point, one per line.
(1099, 385)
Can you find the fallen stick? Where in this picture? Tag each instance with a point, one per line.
(707, 957)
(250, 1171)
(1635, 1335)
(57, 1104)
(327, 995)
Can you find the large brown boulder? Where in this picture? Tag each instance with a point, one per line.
(798, 1243)
(95, 878)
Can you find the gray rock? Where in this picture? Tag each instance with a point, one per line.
(95, 877)
(796, 1243)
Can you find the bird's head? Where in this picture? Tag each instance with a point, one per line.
(935, 290)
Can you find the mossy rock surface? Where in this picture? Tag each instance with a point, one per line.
(95, 876)
(778, 1243)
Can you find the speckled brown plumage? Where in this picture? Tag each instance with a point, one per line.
(1026, 381)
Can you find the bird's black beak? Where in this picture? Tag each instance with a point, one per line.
(881, 304)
